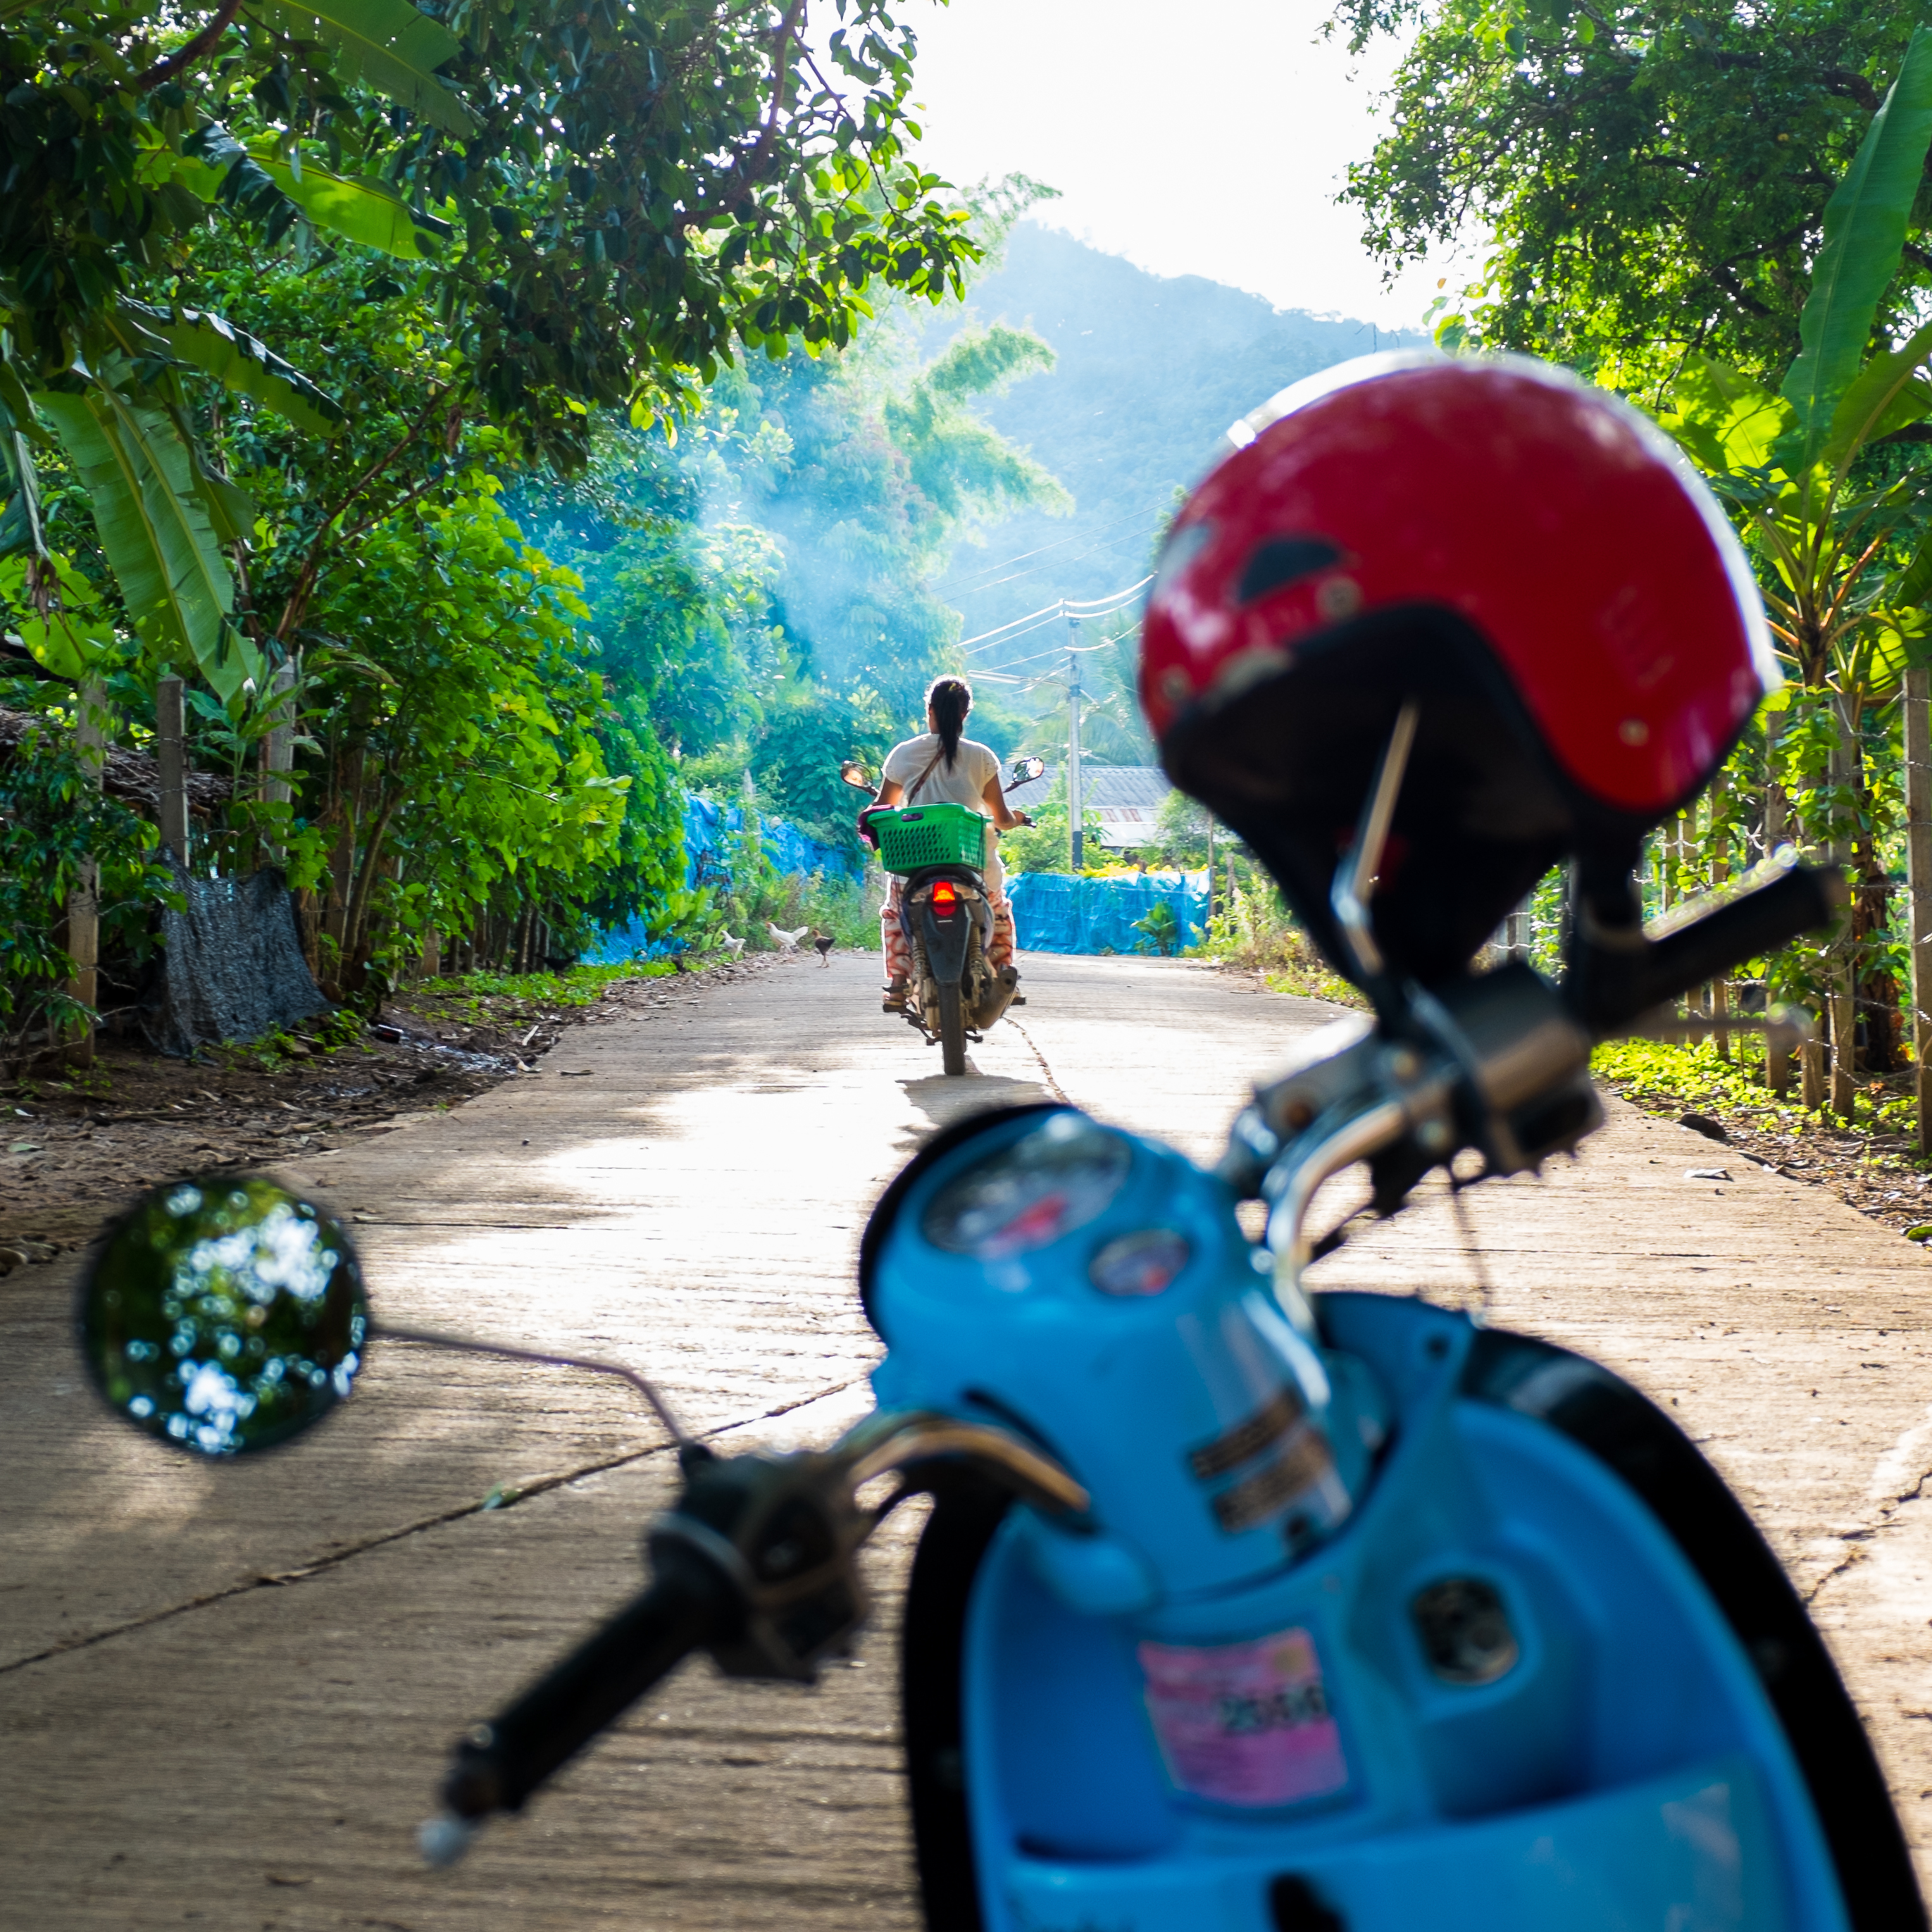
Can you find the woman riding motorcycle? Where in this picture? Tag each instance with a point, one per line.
(940, 767)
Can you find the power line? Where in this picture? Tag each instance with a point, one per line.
(1113, 600)
(1052, 615)
(1092, 610)
(1079, 536)
(1093, 550)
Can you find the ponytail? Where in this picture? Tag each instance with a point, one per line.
(950, 699)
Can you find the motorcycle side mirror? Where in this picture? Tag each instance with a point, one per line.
(855, 776)
(1025, 770)
(222, 1314)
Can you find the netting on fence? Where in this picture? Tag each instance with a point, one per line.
(232, 968)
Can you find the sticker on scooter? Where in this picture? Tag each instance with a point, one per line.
(1245, 1723)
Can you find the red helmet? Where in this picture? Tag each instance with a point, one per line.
(1526, 557)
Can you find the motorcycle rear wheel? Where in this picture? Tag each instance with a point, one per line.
(952, 1028)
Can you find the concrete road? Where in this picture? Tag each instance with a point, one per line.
(226, 1693)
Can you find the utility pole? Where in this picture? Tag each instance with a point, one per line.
(1074, 817)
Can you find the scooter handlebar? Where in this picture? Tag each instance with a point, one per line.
(498, 1764)
(1765, 909)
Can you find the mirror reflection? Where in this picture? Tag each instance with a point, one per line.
(223, 1314)
(857, 775)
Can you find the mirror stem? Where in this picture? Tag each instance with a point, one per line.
(430, 1338)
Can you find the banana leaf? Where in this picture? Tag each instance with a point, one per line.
(156, 532)
(1887, 394)
(20, 526)
(369, 212)
(1864, 238)
(1725, 421)
(393, 47)
(239, 361)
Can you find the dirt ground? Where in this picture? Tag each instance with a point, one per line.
(73, 1149)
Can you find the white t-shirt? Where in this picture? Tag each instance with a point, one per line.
(973, 765)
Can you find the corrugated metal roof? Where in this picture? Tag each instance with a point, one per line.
(1126, 798)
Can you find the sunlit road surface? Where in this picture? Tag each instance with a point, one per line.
(226, 1693)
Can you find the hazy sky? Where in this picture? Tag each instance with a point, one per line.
(1209, 139)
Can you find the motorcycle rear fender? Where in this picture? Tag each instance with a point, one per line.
(945, 940)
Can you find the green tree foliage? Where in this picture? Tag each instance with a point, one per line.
(597, 208)
(54, 820)
(1046, 845)
(762, 585)
(1654, 175)
(459, 755)
(1837, 512)
(608, 199)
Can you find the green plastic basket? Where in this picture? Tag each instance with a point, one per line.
(930, 835)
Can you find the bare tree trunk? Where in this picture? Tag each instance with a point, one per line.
(1918, 883)
(1720, 870)
(278, 749)
(1843, 1012)
(171, 757)
(1811, 1090)
(1776, 823)
(83, 903)
(357, 918)
(342, 859)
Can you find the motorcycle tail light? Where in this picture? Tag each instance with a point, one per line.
(945, 896)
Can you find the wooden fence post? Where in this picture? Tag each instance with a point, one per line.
(171, 754)
(1918, 883)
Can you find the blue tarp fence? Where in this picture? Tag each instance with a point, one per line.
(710, 831)
(1055, 912)
(710, 828)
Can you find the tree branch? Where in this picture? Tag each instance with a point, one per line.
(1738, 293)
(186, 56)
(748, 167)
(296, 604)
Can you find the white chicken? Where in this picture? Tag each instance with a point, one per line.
(733, 947)
(787, 941)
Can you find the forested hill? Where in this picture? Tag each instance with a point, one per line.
(1151, 371)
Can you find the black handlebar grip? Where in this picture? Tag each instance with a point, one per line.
(1799, 898)
(498, 1764)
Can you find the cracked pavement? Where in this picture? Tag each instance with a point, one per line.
(226, 1693)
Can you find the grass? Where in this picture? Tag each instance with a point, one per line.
(1663, 1077)
(1254, 934)
(460, 996)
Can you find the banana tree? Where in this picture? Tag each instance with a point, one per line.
(1826, 478)
(170, 523)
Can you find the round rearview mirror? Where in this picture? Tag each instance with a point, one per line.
(222, 1314)
(855, 776)
(1025, 770)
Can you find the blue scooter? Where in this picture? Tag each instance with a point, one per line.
(1239, 1607)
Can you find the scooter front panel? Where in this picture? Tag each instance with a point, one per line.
(1692, 1851)
(1614, 1762)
